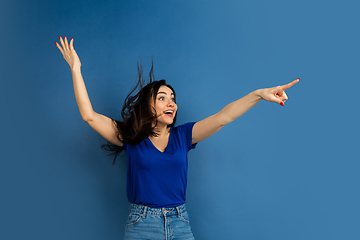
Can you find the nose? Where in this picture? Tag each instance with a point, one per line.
(170, 103)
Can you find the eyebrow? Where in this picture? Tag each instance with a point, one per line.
(164, 93)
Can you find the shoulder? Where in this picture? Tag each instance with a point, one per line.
(184, 128)
(183, 134)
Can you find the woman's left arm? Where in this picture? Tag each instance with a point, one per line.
(207, 127)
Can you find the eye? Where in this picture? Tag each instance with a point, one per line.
(161, 98)
(173, 99)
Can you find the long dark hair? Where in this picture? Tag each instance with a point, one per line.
(138, 117)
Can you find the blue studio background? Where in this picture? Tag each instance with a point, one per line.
(276, 173)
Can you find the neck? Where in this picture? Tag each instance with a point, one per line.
(161, 130)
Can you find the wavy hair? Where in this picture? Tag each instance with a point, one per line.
(138, 117)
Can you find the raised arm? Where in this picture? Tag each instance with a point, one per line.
(100, 123)
(207, 127)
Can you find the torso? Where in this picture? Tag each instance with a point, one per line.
(157, 168)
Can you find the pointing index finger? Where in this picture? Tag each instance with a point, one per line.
(289, 85)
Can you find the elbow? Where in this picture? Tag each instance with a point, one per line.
(87, 118)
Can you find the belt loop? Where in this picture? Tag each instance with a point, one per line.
(144, 212)
(178, 211)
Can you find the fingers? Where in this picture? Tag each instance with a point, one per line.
(59, 47)
(67, 49)
(279, 96)
(277, 100)
(72, 44)
(289, 85)
(64, 45)
(283, 99)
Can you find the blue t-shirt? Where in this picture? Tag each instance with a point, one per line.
(158, 179)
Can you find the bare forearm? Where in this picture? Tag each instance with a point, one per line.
(210, 125)
(237, 108)
(81, 95)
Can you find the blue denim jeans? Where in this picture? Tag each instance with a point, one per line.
(158, 223)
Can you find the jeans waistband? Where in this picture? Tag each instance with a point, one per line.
(157, 211)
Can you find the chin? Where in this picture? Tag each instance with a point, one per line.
(169, 123)
(165, 122)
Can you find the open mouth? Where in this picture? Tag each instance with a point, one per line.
(169, 113)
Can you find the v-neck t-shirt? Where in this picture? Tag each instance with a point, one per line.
(159, 179)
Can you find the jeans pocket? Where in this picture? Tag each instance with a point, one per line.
(133, 219)
(185, 217)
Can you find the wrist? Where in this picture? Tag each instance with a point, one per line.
(258, 93)
(75, 68)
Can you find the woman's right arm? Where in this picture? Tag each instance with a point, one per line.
(100, 123)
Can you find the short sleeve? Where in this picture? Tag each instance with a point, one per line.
(186, 130)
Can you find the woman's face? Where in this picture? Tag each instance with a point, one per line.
(165, 105)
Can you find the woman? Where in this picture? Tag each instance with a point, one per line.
(157, 151)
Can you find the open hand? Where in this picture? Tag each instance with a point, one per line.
(69, 52)
(277, 94)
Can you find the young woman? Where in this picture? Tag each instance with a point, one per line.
(156, 150)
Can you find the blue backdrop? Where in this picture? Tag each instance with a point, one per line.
(276, 173)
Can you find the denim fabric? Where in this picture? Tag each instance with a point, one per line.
(158, 223)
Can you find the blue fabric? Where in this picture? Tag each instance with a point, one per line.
(159, 179)
(158, 223)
